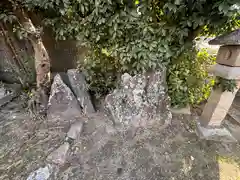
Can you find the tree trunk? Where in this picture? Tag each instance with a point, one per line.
(42, 60)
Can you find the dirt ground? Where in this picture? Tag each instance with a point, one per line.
(156, 153)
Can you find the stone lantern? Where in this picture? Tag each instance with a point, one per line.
(209, 125)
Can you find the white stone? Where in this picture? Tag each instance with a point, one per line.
(226, 72)
(214, 134)
(59, 155)
(41, 173)
(75, 130)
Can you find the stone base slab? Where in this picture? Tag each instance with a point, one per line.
(214, 133)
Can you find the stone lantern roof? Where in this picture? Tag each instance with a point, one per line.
(232, 38)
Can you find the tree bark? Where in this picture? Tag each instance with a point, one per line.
(42, 60)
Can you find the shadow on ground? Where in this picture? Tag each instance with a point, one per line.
(170, 153)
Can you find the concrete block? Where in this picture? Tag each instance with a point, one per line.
(214, 133)
(217, 107)
(185, 110)
(226, 72)
(229, 55)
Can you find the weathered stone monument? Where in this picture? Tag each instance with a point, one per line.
(228, 67)
(140, 100)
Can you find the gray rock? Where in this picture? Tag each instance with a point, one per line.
(140, 100)
(232, 38)
(63, 107)
(41, 173)
(59, 155)
(79, 88)
(75, 130)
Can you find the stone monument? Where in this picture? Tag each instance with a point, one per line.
(209, 125)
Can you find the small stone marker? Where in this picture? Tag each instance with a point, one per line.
(59, 155)
(75, 130)
(63, 107)
(209, 125)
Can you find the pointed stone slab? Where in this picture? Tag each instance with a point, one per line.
(63, 107)
(79, 88)
(232, 38)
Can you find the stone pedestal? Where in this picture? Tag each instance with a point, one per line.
(217, 107)
(209, 125)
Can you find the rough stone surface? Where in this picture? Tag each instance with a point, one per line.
(229, 55)
(63, 107)
(41, 173)
(217, 107)
(226, 72)
(232, 38)
(79, 88)
(75, 130)
(140, 100)
(59, 155)
(215, 133)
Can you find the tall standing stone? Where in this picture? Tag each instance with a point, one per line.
(140, 100)
(63, 107)
(79, 87)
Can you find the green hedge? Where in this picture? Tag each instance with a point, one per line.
(188, 79)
